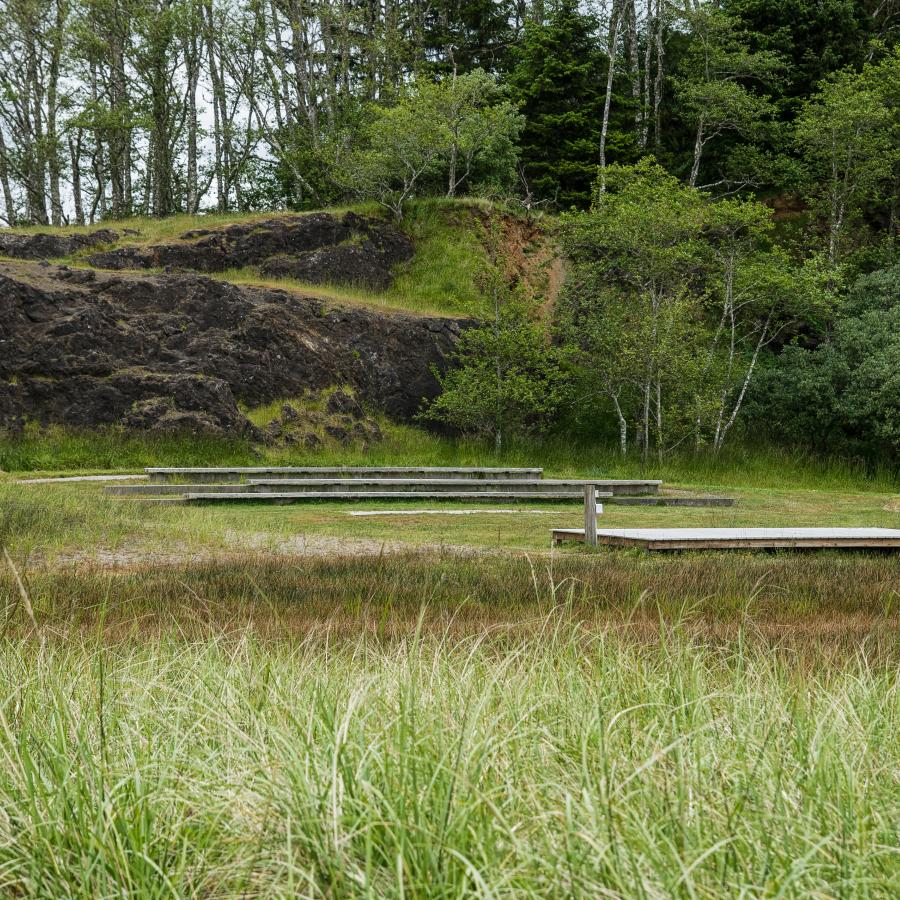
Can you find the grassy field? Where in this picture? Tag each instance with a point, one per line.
(292, 701)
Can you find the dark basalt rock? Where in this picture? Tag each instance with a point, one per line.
(45, 246)
(342, 402)
(180, 351)
(316, 248)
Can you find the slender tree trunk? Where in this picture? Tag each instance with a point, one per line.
(36, 184)
(659, 421)
(648, 62)
(645, 422)
(658, 82)
(53, 140)
(454, 144)
(192, 59)
(75, 156)
(282, 91)
(607, 100)
(306, 99)
(8, 200)
(763, 335)
(98, 163)
(328, 58)
(451, 182)
(698, 153)
(623, 424)
(162, 146)
(631, 34)
(219, 111)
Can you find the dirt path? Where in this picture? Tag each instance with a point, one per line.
(244, 547)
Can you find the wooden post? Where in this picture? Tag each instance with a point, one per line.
(590, 515)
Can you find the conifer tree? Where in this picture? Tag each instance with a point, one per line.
(559, 80)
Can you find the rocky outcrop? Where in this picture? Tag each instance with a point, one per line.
(86, 348)
(44, 245)
(343, 420)
(317, 248)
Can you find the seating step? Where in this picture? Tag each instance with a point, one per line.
(286, 497)
(615, 486)
(342, 486)
(238, 473)
(156, 490)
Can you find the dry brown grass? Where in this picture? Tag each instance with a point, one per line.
(819, 606)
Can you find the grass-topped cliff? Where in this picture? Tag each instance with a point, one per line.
(444, 276)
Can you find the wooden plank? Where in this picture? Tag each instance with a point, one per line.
(738, 538)
(235, 473)
(590, 514)
(662, 500)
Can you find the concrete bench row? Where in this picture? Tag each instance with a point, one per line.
(295, 484)
(226, 474)
(389, 486)
(290, 497)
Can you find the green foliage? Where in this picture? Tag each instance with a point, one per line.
(848, 135)
(461, 128)
(400, 145)
(844, 394)
(505, 379)
(813, 37)
(483, 129)
(558, 79)
(633, 309)
(478, 33)
(717, 85)
(672, 300)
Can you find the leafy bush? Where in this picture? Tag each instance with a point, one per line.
(843, 395)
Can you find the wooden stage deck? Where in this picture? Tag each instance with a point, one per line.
(739, 538)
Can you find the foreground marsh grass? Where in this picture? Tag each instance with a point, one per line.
(824, 605)
(569, 762)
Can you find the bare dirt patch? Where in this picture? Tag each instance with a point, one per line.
(242, 547)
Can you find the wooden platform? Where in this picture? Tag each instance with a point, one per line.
(739, 538)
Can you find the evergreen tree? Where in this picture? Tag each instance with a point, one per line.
(468, 34)
(559, 80)
(814, 37)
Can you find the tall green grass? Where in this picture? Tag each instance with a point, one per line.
(739, 465)
(58, 449)
(568, 764)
